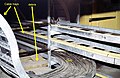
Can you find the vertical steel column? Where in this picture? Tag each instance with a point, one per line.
(49, 36)
(78, 16)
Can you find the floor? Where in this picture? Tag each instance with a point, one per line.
(109, 72)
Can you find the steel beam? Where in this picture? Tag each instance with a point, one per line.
(90, 52)
(9, 54)
(106, 37)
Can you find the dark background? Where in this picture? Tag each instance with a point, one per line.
(68, 9)
(24, 11)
